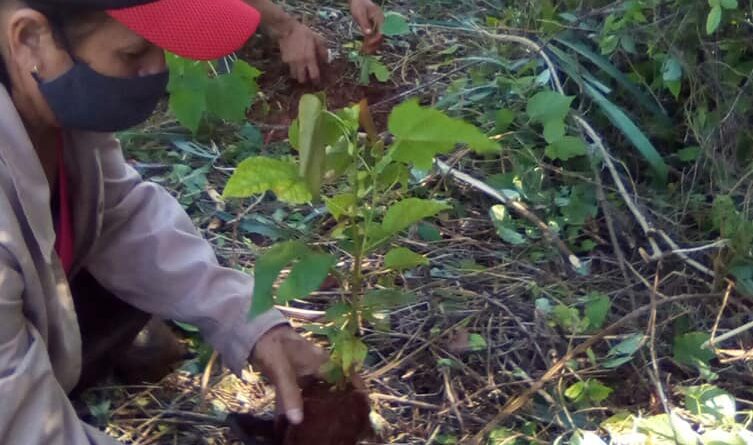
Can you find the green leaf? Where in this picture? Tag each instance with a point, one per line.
(596, 391)
(350, 351)
(423, 132)
(387, 298)
(684, 433)
(597, 308)
(258, 174)
(502, 119)
(378, 69)
(429, 232)
(623, 352)
(394, 24)
(631, 131)
(687, 350)
(316, 130)
(401, 258)
(407, 212)
(714, 19)
(188, 108)
(476, 342)
(624, 81)
(187, 87)
(709, 400)
(548, 106)
(306, 276)
(505, 229)
(729, 4)
(267, 268)
(340, 205)
(566, 148)
(689, 154)
(554, 130)
(671, 70)
(576, 391)
(227, 98)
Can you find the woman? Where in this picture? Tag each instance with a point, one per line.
(72, 211)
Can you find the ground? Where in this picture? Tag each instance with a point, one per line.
(427, 381)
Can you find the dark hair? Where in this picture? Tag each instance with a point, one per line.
(63, 18)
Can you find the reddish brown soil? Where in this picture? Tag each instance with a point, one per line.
(339, 81)
(331, 417)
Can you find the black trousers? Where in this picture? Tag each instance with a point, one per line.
(108, 326)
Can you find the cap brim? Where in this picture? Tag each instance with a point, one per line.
(195, 29)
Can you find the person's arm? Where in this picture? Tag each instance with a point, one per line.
(150, 255)
(300, 47)
(34, 409)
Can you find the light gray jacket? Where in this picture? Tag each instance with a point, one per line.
(134, 238)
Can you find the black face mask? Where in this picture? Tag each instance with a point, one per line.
(83, 99)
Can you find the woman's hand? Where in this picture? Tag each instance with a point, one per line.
(283, 356)
(302, 50)
(368, 15)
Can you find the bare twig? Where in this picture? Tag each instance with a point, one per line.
(517, 206)
(521, 400)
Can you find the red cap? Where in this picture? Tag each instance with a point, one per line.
(194, 29)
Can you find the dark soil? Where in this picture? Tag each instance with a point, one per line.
(339, 82)
(331, 417)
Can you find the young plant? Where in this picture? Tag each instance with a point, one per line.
(363, 182)
(199, 93)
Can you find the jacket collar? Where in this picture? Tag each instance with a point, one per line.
(27, 174)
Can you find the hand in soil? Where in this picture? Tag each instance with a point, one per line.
(331, 417)
(369, 17)
(284, 357)
(303, 50)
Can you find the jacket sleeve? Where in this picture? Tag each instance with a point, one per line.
(34, 409)
(150, 255)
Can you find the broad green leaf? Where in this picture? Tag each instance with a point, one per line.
(684, 433)
(671, 70)
(429, 232)
(407, 212)
(554, 130)
(657, 428)
(714, 19)
(576, 391)
(267, 268)
(503, 118)
(188, 108)
(568, 318)
(316, 130)
(259, 174)
(394, 24)
(378, 69)
(341, 205)
(228, 98)
(187, 87)
(687, 350)
(476, 342)
(729, 4)
(306, 276)
(350, 351)
(548, 106)
(709, 400)
(387, 298)
(401, 258)
(631, 131)
(423, 132)
(597, 308)
(596, 391)
(566, 148)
